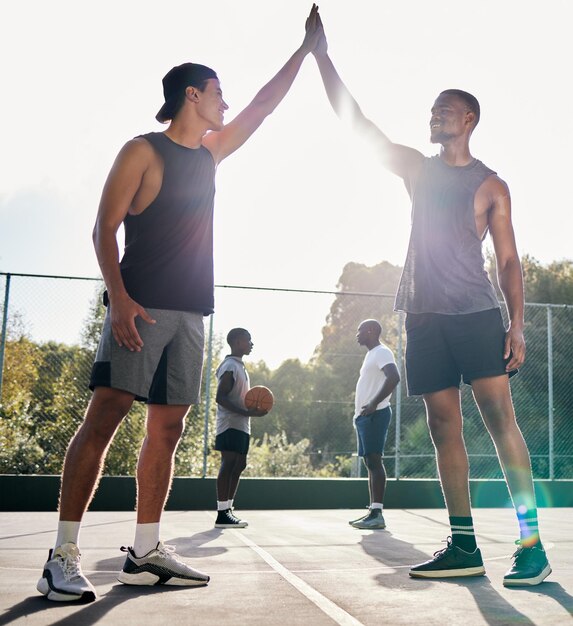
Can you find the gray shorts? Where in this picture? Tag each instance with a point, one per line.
(168, 368)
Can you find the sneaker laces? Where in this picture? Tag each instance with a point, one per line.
(523, 553)
(449, 545)
(70, 564)
(167, 551)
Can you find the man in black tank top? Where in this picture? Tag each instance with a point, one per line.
(454, 326)
(161, 187)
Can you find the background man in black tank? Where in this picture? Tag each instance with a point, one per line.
(169, 270)
(445, 292)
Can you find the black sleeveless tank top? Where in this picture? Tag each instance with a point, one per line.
(168, 257)
(444, 270)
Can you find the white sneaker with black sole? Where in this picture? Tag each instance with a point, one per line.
(62, 579)
(160, 566)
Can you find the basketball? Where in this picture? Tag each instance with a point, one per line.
(260, 398)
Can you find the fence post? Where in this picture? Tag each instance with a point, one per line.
(398, 399)
(4, 329)
(550, 392)
(207, 396)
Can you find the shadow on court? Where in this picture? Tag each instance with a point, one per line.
(494, 608)
(312, 568)
(88, 613)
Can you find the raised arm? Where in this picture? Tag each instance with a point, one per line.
(400, 160)
(233, 136)
(122, 184)
(509, 271)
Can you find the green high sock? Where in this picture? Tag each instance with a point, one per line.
(463, 533)
(528, 529)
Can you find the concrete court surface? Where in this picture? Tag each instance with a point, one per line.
(289, 568)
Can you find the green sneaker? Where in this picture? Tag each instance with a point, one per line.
(358, 519)
(530, 567)
(373, 521)
(449, 562)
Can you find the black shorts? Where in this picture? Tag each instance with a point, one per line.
(443, 350)
(233, 440)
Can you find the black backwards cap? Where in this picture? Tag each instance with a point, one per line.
(176, 81)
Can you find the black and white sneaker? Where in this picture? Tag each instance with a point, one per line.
(160, 566)
(530, 566)
(226, 519)
(62, 579)
(449, 562)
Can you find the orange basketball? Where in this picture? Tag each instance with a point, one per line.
(260, 398)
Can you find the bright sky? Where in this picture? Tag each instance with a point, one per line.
(303, 196)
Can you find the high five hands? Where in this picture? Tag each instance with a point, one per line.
(314, 34)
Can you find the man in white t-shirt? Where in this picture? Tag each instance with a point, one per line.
(378, 379)
(233, 427)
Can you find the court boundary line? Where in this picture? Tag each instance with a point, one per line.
(330, 608)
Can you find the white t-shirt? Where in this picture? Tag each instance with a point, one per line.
(372, 378)
(228, 419)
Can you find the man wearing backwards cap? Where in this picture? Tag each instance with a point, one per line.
(161, 187)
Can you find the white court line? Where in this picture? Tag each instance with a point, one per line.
(339, 615)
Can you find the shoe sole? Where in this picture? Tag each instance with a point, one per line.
(44, 588)
(241, 525)
(147, 579)
(379, 527)
(528, 582)
(449, 573)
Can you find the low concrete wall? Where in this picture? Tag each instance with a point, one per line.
(117, 493)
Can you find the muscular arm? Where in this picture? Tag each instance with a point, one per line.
(509, 272)
(400, 160)
(388, 386)
(119, 191)
(233, 136)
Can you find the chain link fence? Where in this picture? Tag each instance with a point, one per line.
(305, 351)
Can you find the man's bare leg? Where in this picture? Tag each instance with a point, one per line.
(232, 466)
(443, 410)
(461, 557)
(493, 397)
(238, 467)
(150, 562)
(376, 477)
(87, 449)
(62, 579)
(165, 424)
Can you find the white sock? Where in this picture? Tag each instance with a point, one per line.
(376, 505)
(231, 503)
(146, 538)
(222, 505)
(68, 532)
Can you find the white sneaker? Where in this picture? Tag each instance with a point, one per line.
(62, 579)
(160, 566)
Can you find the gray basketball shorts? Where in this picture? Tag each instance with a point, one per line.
(168, 368)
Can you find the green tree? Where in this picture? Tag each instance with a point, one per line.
(20, 452)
